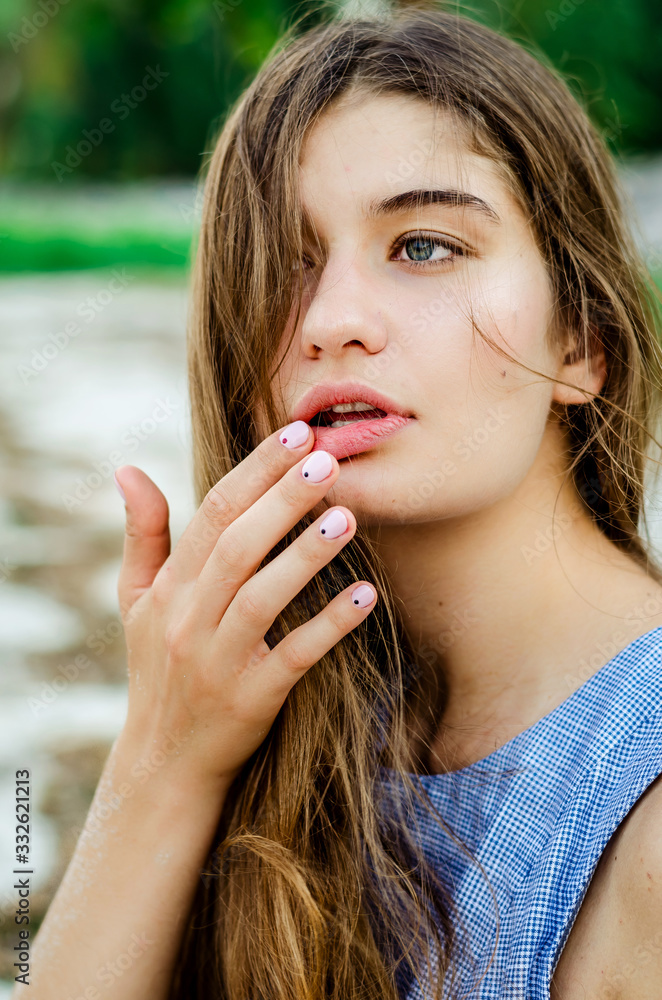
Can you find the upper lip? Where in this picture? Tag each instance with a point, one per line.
(327, 394)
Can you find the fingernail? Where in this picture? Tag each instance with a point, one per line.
(363, 595)
(119, 488)
(317, 467)
(334, 524)
(294, 435)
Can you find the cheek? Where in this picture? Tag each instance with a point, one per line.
(487, 415)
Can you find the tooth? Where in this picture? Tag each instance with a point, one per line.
(342, 423)
(349, 407)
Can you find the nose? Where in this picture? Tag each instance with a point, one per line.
(343, 312)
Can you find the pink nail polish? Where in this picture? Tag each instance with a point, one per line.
(294, 435)
(317, 467)
(363, 596)
(119, 488)
(334, 524)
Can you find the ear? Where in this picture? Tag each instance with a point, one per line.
(588, 374)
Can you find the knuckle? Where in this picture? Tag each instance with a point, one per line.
(207, 533)
(132, 610)
(217, 505)
(176, 639)
(161, 589)
(295, 657)
(290, 494)
(200, 539)
(132, 528)
(248, 608)
(338, 615)
(310, 550)
(268, 463)
(231, 551)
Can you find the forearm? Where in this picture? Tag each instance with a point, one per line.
(116, 922)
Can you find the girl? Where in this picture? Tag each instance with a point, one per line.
(423, 365)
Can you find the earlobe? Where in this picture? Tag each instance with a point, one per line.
(587, 374)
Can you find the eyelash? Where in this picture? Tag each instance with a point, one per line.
(437, 241)
(457, 250)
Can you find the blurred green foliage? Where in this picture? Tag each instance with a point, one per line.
(50, 227)
(100, 98)
(66, 67)
(610, 53)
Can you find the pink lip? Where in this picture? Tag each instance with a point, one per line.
(326, 394)
(361, 435)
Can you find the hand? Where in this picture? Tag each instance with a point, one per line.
(195, 619)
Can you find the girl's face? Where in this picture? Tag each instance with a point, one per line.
(386, 304)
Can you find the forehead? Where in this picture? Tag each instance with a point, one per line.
(365, 148)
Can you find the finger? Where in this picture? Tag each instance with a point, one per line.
(234, 494)
(301, 649)
(253, 607)
(147, 535)
(245, 543)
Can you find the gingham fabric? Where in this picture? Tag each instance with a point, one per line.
(538, 813)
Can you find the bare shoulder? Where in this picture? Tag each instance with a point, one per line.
(614, 951)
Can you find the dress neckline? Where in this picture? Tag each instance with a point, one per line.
(564, 706)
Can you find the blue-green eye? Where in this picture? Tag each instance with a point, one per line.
(417, 249)
(420, 248)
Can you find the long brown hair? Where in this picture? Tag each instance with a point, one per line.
(318, 886)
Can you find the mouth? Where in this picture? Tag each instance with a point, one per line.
(343, 414)
(350, 417)
(351, 428)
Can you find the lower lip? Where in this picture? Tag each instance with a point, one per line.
(360, 435)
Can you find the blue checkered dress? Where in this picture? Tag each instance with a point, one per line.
(537, 813)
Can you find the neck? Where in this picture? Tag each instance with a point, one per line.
(510, 601)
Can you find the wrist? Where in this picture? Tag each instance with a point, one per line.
(162, 765)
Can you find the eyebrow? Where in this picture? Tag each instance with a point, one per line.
(439, 196)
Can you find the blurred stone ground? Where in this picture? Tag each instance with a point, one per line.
(70, 412)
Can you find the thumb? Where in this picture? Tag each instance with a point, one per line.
(147, 537)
